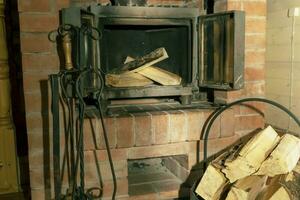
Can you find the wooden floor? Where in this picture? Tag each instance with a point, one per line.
(14, 196)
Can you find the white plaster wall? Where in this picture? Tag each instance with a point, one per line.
(283, 61)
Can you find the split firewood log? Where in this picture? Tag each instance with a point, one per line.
(158, 75)
(247, 188)
(237, 194)
(282, 187)
(251, 156)
(161, 76)
(126, 80)
(280, 194)
(212, 183)
(283, 158)
(142, 62)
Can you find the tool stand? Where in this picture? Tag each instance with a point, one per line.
(76, 87)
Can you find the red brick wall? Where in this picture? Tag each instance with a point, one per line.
(148, 135)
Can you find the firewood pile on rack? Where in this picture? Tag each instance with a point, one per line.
(266, 167)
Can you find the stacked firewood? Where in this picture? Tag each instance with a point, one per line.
(264, 167)
(141, 72)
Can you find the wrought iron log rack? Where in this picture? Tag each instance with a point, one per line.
(211, 119)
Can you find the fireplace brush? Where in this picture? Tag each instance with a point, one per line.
(72, 82)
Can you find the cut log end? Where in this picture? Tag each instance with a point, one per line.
(284, 157)
(212, 183)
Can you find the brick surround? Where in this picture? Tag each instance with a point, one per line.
(136, 136)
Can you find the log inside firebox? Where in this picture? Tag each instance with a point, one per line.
(127, 80)
(142, 62)
(158, 75)
(145, 74)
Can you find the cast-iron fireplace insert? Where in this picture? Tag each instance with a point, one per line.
(206, 51)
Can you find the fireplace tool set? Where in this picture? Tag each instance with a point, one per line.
(76, 86)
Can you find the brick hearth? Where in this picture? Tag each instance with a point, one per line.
(134, 136)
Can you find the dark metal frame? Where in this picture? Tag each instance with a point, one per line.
(151, 21)
(185, 90)
(192, 17)
(153, 16)
(238, 50)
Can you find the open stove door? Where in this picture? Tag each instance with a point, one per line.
(221, 50)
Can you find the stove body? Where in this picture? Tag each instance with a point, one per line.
(206, 51)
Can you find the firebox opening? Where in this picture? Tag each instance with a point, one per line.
(157, 175)
(122, 39)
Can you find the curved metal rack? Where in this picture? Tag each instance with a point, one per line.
(219, 111)
(211, 119)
